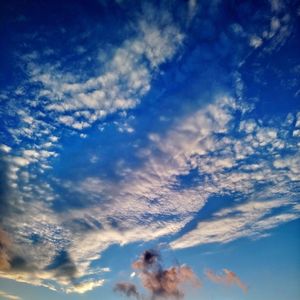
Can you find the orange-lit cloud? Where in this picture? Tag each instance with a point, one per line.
(4, 251)
(228, 278)
(163, 282)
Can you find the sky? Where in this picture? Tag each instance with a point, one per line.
(149, 150)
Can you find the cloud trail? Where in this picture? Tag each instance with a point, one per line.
(9, 296)
(228, 278)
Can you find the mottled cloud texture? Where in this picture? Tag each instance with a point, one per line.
(126, 132)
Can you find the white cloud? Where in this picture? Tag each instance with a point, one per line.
(201, 141)
(126, 80)
(5, 148)
(240, 221)
(78, 104)
(131, 208)
(85, 286)
(190, 144)
(298, 120)
(20, 161)
(296, 133)
(255, 41)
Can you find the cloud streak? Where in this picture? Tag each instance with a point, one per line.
(228, 278)
(9, 296)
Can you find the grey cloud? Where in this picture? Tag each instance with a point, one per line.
(63, 266)
(228, 278)
(127, 289)
(4, 252)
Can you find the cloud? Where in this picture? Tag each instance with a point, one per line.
(255, 41)
(230, 150)
(5, 148)
(228, 278)
(127, 77)
(208, 141)
(246, 220)
(9, 296)
(5, 244)
(127, 289)
(161, 282)
(85, 286)
(63, 266)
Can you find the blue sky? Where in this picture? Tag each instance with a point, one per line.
(167, 125)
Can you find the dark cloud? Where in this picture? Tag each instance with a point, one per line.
(149, 259)
(63, 266)
(228, 278)
(9, 259)
(127, 289)
(4, 251)
(18, 263)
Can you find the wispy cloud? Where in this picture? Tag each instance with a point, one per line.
(85, 286)
(228, 278)
(9, 296)
(246, 220)
(128, 289)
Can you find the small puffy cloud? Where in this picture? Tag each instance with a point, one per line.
(66, 120)
(5, 148)
(20, 161)
(296, 133)
(255, 41)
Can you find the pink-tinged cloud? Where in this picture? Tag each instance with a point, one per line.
(228, 278)
(163, 283)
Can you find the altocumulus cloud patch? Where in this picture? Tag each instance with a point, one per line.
(122, 122)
